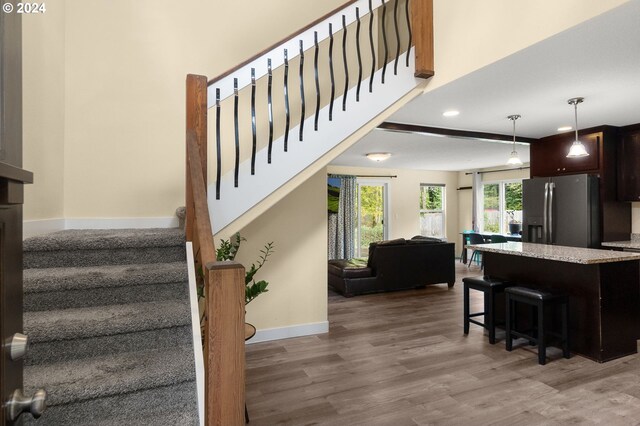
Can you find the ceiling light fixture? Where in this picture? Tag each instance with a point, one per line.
(378, 156)
(565, 128)
(514, 158)
(451, 113)
(577, 148)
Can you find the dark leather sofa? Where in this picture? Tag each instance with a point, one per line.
(395, 265)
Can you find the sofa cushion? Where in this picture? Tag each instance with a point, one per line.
(387, 243)
(349, 268)
(420, 239)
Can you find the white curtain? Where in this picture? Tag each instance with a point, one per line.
(342, 226)
(477, 213)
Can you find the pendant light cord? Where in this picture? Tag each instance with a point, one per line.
(575, 108)
(514, 134)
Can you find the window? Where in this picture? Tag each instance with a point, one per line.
(432, 210)
(502, 205)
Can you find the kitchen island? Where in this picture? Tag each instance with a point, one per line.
(603, 288)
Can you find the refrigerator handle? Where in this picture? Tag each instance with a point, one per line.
(545, 217)
(551, 187)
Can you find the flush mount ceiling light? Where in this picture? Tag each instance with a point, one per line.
(565, 128)
(378, 156)
(577, 148)
(514, 158)
(450, 113)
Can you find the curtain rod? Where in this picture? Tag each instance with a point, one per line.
(501, 170)
(365, 176)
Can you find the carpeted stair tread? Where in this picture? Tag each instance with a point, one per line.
(73, 299)
(59, 350)
(97, 377)
(108, 320)
(105, 239)
(163, 406)
(60, 279)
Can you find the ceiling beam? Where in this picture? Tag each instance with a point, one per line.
(451, 133)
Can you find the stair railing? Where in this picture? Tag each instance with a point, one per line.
(282, 90)
(223, 282)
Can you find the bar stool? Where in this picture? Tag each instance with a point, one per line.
(491, 287)
(538, 300)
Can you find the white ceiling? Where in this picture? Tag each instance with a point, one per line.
(598, 59)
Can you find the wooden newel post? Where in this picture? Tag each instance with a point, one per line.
(196, 112)
(422, 24)
(225, 393)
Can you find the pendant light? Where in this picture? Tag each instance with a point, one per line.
(514, 158)
(577, 148)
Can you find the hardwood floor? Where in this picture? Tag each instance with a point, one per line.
(401, 359)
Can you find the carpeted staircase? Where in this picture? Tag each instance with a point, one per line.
(108, 320)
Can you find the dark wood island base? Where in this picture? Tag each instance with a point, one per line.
(604, 299)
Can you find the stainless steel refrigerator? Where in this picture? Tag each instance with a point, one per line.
(562, 210)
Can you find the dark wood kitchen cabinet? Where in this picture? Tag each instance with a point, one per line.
(549, 158)
(549, 155)
(629, 164)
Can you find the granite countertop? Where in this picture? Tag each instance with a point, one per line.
(559, 253)
(633, 243)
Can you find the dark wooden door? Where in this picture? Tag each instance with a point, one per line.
(12, 179)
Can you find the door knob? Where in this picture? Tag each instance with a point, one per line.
(19, 404)
(17, 346)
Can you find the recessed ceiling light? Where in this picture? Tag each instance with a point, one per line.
(451, 113)
(564, 128)
(378, 156)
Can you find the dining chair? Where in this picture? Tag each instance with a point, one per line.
(475, 239)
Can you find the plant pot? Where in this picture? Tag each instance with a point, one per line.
(515, 228)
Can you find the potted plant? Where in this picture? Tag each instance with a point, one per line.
(228, 250)
(515, 226)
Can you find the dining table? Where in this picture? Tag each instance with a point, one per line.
(487, 239)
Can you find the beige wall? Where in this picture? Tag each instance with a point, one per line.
(635, 217)
(470, 34)
(404, 195)
(297, 271)
(465, 197)
(44, 84)
(114, 75)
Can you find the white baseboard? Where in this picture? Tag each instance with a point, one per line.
(269, 334)
(31, 228)
(45, 226)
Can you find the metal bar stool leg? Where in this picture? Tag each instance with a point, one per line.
(490, 316)
(466, 309)
(542, 346)
(509, 316)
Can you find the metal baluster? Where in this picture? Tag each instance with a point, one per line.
(270, 109)
(408, 28)
(373, 48)
(395, 26)
(344, 60)
(286, 100)
(358, 54)
(253, 121)
(333, 85)
(315, 69)
(384, 39)
(236, 131)
(302, 101)
(218, 145)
